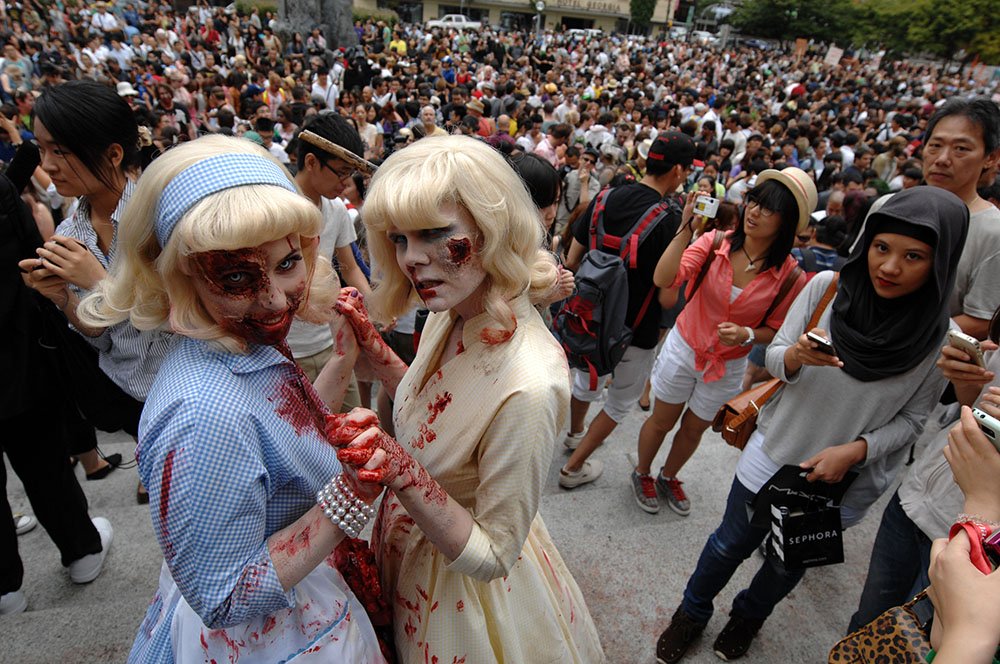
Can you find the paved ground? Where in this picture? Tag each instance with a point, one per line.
(632, 567)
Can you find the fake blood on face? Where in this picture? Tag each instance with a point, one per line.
(238, 292)
(459, 250)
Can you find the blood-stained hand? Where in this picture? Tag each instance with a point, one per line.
(378, 457)
(346, 426)
(351, 303)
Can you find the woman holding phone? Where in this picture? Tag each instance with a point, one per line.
(886, 323)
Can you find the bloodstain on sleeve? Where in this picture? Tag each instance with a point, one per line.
(165, 481)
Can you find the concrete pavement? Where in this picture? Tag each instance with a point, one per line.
(632, 567)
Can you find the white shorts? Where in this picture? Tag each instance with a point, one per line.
(626, 387)
(675, 380)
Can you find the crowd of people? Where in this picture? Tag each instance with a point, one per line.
(324, 284)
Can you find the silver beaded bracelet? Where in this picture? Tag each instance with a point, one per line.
(343, 507)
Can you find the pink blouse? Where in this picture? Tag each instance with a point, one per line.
(698, 322)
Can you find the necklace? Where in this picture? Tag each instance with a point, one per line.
(750, 266)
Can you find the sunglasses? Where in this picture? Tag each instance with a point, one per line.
(804, 238)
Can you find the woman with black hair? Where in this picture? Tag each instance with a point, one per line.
(740, 285)
(89, 150)
(542, 182)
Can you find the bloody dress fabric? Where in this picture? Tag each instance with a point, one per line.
(484, 426)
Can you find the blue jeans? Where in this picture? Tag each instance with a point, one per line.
(898, 567)
(732, 543)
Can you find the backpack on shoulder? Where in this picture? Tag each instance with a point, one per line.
(592, 326)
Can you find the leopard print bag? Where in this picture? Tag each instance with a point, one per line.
(896, 636)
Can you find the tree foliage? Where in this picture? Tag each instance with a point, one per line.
(642, 11)
(825, 20)
(938, 27)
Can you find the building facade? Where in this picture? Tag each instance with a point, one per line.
(605, 15)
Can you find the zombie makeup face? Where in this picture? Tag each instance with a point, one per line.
(443, 264)
(252, 293)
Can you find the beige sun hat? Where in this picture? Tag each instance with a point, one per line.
(802, 187)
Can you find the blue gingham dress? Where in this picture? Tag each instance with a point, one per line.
(226, 466)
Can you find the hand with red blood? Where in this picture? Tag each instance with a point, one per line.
(343, 427)
(351, 304)
(378, 457)
(345, 343)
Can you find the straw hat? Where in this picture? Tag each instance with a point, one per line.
(802, 187)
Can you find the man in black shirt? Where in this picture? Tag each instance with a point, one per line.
(668, 164)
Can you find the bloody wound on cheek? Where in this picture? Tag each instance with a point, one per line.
(459, 250)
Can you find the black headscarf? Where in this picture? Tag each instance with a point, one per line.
(875, 337)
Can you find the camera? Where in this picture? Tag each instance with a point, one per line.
(706, 206)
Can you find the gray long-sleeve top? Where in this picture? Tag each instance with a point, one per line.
(820, 407)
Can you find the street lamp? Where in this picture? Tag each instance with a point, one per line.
(539, 7)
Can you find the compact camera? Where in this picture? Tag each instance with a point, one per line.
(706, 206)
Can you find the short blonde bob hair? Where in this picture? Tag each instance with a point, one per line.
(411, 189)
(149, 286)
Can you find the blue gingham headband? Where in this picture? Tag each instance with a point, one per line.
(210, 176)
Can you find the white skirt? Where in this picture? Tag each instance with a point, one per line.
(327, 624)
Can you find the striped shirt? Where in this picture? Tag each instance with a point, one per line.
(128, 356)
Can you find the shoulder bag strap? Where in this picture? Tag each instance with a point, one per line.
(831, 290)
(786, 287)
(716, 244)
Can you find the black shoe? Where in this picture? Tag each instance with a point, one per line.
(114, 460)
(677, 637)
(735, 638)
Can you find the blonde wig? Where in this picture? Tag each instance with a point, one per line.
(408, 193)
(151, 287)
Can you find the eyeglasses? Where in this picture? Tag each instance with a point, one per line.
(590, 160)
(762, 211)
(343, 177)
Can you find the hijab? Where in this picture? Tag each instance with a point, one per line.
(876, 337)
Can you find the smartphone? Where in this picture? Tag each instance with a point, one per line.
(824, 344)
(968, 345)
(706, 206)
(989, 425)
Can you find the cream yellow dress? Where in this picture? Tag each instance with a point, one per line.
(483, 426)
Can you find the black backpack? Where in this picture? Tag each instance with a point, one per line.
(591, 325)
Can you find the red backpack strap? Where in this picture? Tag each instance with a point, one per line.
(597, 219)
(629, 245)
